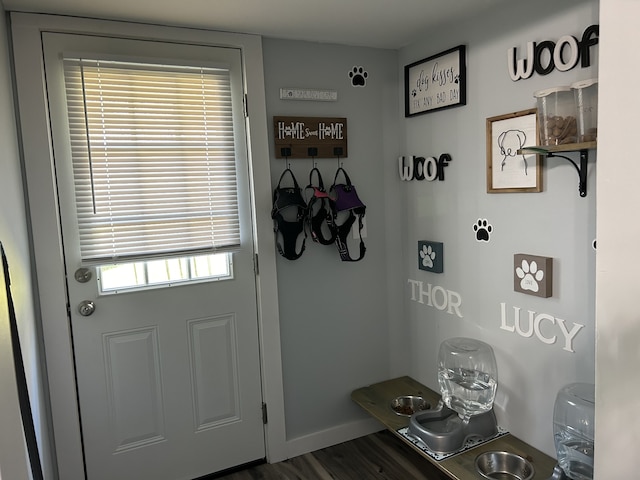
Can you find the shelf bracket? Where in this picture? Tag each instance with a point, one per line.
(581, 169)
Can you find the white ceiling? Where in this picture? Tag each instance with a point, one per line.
(373, 23)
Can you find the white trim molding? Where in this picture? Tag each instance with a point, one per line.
(332, 436)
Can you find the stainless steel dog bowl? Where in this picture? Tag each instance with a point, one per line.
(504, 466)
(407, 405)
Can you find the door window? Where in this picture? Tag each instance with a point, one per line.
(167, 272)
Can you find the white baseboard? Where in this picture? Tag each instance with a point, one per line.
(332, 436)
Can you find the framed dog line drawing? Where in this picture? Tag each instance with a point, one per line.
(507, 170)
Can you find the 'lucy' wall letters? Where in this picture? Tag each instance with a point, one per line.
(535, 326)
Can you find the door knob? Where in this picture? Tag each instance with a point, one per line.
(86, 308)
(82, 275)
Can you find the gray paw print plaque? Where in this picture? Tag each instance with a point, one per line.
(533, 275)
(430, 256)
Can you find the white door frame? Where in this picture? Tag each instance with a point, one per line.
(51, 284)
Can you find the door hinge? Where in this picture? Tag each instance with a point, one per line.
(256, 268)
(246, 105)
(264, 413)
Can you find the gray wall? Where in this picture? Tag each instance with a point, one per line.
(554, 223)
(13, 234)
(348, 325)
(333, 315)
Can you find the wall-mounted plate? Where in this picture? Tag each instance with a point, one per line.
(311, 94)
(533, 275)
(431, 256)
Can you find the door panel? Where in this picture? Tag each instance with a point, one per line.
(213, 353)
(134, 394)
(168, 379)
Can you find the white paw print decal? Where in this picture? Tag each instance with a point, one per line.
(428, 256)
(529, 275)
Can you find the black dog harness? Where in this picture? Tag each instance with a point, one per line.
(288, 202)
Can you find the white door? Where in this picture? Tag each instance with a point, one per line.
(168, 378)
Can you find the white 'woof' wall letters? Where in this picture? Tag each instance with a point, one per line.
(420, 168)
(553, 53)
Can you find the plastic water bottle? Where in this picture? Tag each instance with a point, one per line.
(573, 428)
(467, 375)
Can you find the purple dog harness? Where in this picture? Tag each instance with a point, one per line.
(344, 198)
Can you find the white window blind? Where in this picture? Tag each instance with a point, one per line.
(153, 159)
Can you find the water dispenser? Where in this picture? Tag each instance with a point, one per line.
(467, 376)
(573, 432)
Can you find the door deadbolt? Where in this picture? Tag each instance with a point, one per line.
(86, 308)
(82, 275)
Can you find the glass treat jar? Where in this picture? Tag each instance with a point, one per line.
(556, 116)
(586, 97)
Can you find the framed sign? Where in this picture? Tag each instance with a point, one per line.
(508, 170)
(436, 82)
(306, 137)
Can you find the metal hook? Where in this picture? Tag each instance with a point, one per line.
(337, 151)
(286, 153)
(313, 153)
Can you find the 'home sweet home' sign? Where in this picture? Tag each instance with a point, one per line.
(306, 137)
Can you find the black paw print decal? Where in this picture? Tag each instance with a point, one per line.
(483, 230)
(358, 76)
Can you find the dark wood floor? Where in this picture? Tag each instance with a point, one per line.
(377, 456)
